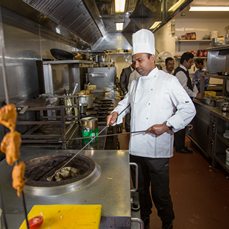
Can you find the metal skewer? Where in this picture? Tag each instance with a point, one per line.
(2, 45)
(51, 177)
(3, 211)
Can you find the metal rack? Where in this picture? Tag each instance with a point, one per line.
(49, 131)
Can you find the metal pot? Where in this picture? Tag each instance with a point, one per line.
(102, 58)
(221, 102)
(86, 98)
(83, 108)
(209, 101)
(89, 126)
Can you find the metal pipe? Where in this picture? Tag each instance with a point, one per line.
(2, 45)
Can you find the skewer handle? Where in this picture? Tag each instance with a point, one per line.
(3, 211)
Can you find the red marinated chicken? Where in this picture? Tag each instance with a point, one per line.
(8, 116)
(18, 177)
(10, 146)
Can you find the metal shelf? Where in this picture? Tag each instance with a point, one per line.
(193, 41)
(69, 62)
(195, 57)
(215, 76)
(221, 159)
(222, 139)
(218, 48)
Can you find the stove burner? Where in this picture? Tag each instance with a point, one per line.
(39, 168)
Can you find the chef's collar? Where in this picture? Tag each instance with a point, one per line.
(182, 66)
(152, 73)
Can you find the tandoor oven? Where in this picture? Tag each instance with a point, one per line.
(105, 180)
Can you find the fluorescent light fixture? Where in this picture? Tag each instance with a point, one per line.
(119, 26)
(209, 8)
(176, 5)
(120, 6)
(155, 24)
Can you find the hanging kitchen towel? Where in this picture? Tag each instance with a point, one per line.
(67, 216)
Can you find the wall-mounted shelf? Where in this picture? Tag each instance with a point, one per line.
(193, 41)
(179, 42)
(218, 48)
(195, 57)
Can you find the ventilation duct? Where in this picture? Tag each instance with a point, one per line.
(73, 15)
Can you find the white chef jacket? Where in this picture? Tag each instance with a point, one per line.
(133, 76)
(155, 99)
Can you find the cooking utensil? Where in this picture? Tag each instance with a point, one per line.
(51, 177)
(74, 90)
(225, 107)
(61, 54)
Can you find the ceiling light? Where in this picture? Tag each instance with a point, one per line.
(209, 8)
(176, 5)
(155, 24)
(119, 26)
(120, 6)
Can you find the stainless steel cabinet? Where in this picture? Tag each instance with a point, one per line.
(209, 125)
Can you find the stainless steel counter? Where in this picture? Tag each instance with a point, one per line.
(113, 194)
(215, 110)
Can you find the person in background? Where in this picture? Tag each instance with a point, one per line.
(196, 78)
(169, 65)
(124, 78)
(159, 106)
(124, 82)
(182, 74)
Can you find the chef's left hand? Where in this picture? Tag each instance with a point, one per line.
(157, 129)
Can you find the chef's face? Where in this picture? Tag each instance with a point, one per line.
(143, 64)
(170, 65)
(188, 64)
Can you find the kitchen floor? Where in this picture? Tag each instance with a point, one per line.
(200, 196)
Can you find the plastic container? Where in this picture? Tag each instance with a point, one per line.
(193, 36)
(209, 93)
(214, 34)
(227, 156)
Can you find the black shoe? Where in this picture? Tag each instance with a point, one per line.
(184, 150)
(167, 226)
(146, 223)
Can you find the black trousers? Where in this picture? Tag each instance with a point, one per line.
(179, 139)
(156, 172)
(127, 122)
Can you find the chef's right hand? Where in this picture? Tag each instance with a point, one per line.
(199, 96)
(111, 119)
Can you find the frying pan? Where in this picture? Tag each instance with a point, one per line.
(61, 54)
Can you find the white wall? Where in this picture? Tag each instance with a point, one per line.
(201, 26)
(121, 61)
(165, 41)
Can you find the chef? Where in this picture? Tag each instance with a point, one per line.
(159, 107)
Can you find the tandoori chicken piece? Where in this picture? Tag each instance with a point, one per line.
(10, 146)
(18, 177)
(8, 116)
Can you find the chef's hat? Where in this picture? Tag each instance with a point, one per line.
(143, 42)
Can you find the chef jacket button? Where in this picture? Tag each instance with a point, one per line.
(151, 89)
(149, 103)
(146, 118)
